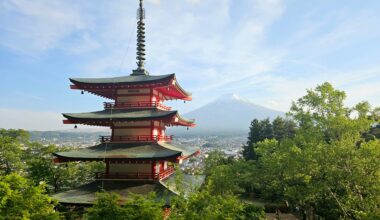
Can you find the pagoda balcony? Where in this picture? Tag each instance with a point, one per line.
(135, 138)
(136, 175)
(126, 105)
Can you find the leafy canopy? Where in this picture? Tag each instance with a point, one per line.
(20, 199)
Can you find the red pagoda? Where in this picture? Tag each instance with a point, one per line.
(138, 155)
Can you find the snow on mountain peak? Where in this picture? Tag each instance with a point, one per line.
(232, 97)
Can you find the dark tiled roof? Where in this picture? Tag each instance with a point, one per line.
(122, 79)
(127, 151)
(124, 115)
(164, 190)
(86, 194)
(121, 114)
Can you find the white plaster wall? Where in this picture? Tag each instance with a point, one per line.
(129, 168)
(131, 131)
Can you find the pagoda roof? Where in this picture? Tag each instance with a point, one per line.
(122, 151)
(164, 190)
(166, 84)
(108, 116)
(123, 79)
(86, 194)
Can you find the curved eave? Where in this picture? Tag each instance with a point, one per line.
(63, 158)
(181, 121)
(125, 80)
(125, 152)
(175, 91)
(105, 118)
(85, 195)
(169, 117)
(186, 94)
(185, 157)
(105, 87)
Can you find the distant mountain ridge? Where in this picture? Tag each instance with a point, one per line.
(229, 114)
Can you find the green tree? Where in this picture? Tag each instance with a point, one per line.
(283, 128)
(254, 136)
(214, 159)
(40, 167)
(12, 143)
(143, 207)
(328, 167)
(108, 206)
(20, 199)
(279, 129)
(205, 205)
(18, 134)
(11, 155)
(223, 181)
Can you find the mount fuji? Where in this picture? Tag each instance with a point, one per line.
(229, 114)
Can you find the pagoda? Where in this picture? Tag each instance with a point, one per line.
(138, 155)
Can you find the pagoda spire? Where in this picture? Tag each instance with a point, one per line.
(140, 42)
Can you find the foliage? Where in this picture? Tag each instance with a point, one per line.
(223, 181)
(327, 166)
(12, 143)
(10, 156)
(214, 159)
(59, 176)
(20, 199)
(137, 207)
(143, 207)
(278, 129)
(34, 160)
(16, 134)
(206, 205)
(105, 207)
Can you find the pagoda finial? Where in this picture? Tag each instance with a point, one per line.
(140, 41)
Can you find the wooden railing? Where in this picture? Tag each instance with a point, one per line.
(165, 174)
(135, 138)
(141, 104)
(136, 175)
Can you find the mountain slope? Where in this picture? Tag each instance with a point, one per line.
(229, 114)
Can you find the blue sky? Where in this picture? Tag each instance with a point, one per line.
(268, 51)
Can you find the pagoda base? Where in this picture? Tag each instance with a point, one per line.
(164, 190)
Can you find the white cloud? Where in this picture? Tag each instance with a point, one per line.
(36, 26)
